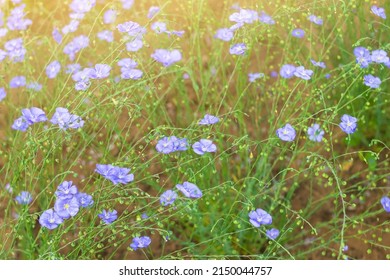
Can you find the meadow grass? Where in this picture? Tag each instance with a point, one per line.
(322, 196)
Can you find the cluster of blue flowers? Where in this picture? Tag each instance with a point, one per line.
(67, 205)
(260, 217)
(61, 117)
(117, 175)
(189, 190)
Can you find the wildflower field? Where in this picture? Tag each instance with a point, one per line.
(194, 129)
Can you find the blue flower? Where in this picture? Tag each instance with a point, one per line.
(303, 73)
(134, 45)
(286, 133)
(254, 76)
(3, 94)
(100, 71)
(272, 233)
(116, 175)
(159, 27)
(379, 56)
(372, 81)
(20, 124)
(166, 57)
(208, 120)
(380, 12)
(65, 120)
(190, 190)
(224, 34)
(171, 144)
(287, 71)
(385, 201)
(267, 19)
(298, 33)
(319, 63)
(168, 197)
(316, 20)
(18, 81)
(204, 146)
(66, 208)
(66, 190)
(238, 49)
(244, 16)
(24, 198)
(133, 74)
(140, 242)
(153, 11)
(34, 115)
(259, 217)
(106, 35)
(315, 133)
(53, 69)
(348, 124)
(50, 219)
(131, 28)
(109, 16)
(108, 216)
(85, 200)
(363, 56)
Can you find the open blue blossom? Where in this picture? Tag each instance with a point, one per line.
(3, 94)
(140, 242)
(238, 49)
(34, 115)
(190, 190)
(286, 133)
(85, 200)
(72, 68)
(131, 28)
(208, 120)
(82, 6)
(159, 27)
(244, 16)
(108, 217)
(287, 71)
(50, 219)
(20, 124)
(380, 12)
(298, 33)
(134, 45)
(379, 56)
(101, 71)
(171, 144)
(385, 201)
(318, 64)
(53, 69)
(66, 190)
(224, 34)
(16, 20)
(259, 217)
(18, 81)
(204, 146)
(252, 77)
(316, 20)
(267, 19)
(117, 175)
(363, 56)
(272, 233)
(315, 133)
(133, 74)
(168, 198)
(166, 57)
(127, 63)
(372, 81)
(67, 207)
(106, 35)
(24, 198)
(303, 73)
(109, 16)
(348, 124)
